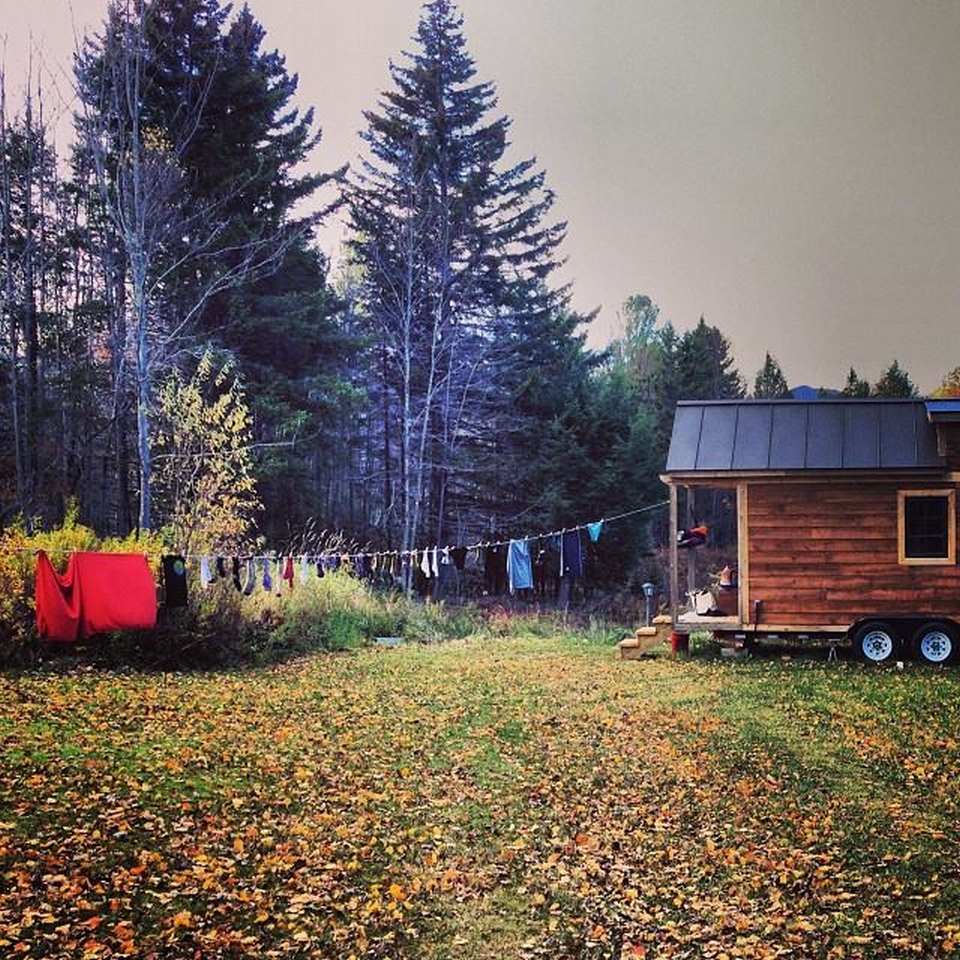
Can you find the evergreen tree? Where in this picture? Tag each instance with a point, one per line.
(770, 383)
(855, 387)
(705, 367)
(894, 382)
(455, 255)
(32, 272)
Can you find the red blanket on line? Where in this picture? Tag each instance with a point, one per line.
(98, 592)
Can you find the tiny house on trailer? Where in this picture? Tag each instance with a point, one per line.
(845, 526)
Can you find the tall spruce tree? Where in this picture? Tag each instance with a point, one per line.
(705, 366)
(455, 255)
(894, 382)
(770, 383)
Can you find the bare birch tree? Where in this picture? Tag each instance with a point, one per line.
(179, 250)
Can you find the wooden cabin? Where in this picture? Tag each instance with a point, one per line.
(846, 522)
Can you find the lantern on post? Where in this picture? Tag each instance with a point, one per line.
(649, 592)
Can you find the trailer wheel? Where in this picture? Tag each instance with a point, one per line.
(936, 643)
(875, 642)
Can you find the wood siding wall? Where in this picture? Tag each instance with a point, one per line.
(826, 554)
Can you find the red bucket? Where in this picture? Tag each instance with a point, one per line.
(679, 643)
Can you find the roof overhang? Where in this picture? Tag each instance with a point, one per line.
(730, 478)
(943, 411)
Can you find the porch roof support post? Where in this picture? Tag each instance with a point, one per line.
(674, 571)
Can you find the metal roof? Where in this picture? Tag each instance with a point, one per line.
(752, 435)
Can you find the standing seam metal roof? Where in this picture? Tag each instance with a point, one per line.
(750, 435)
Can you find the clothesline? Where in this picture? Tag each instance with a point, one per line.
(480, 545)
(558, 533)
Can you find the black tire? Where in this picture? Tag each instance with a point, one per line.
(936, 643)
(876, 642)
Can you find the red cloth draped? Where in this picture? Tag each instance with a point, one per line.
(99, 592)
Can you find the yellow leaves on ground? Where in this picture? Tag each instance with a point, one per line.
(534, 799)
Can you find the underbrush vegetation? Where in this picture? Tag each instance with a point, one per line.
(222, 627)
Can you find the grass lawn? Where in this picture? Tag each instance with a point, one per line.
(498, 798)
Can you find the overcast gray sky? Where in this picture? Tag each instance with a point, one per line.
(787, 169)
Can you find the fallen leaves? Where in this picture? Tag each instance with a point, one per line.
(534, 799)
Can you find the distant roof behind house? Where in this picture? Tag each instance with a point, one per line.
(793, 435)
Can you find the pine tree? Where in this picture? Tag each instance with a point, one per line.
(705, 367)
(855, 387)
(455, 256)
(894, 382)
(770, 383)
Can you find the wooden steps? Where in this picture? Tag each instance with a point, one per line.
(645, 639)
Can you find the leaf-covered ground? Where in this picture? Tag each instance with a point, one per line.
(514, 798)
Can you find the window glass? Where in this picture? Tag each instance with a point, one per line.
(926, 527)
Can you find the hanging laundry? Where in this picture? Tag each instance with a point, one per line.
(546, 568)
(571, 554)
(235, 574)
(174, 581)
(434, 563)
(98, 593)
(495, 568)
(288, 574)
(425, 563)
(267, 580)
(319, 567)
(221, 567)
(251, 583)
(593, 529)
(519, 568)
(206, 576)
(304, 568)
(459, 556)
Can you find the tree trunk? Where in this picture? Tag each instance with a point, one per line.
(30, 335)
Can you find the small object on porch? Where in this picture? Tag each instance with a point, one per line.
(727, 579)
(693, 537)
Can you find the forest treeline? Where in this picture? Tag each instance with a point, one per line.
(177, 355)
